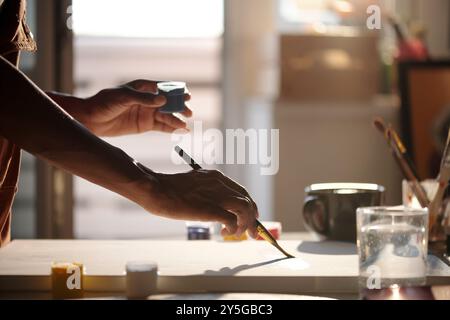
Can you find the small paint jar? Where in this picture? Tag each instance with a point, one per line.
(198, 231)
(67, 280)
(174, 92)
(234, 237)
(141, 279)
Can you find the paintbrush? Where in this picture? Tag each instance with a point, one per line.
(402, 149)
(392, 136)
(445, 148)
(443, 178)
(266, 235)
(262, 231)
(403, 160)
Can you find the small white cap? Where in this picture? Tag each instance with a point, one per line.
(141, 280)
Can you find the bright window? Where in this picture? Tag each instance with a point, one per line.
(118, 41)
(148, 18)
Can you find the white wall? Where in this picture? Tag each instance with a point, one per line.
(330, 142)
(250, 73)
(318, 142)
(435, 16)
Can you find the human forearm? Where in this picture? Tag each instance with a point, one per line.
(71, 104)
(35, 123)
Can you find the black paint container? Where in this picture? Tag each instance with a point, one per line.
(174, 92)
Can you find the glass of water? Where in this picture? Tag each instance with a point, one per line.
(392, 246)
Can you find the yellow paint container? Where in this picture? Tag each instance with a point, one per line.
(67, 280)
(233, 237)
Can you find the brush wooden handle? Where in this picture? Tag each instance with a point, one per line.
(404, 161)
(443, 178)
(435, 205)
(416, 188)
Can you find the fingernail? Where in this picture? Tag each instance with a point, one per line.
(182, 131)
(239, 232)
(160, 100)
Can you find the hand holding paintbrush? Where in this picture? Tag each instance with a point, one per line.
(260, 229)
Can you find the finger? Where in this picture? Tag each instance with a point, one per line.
(146, 99)
(170, 120)
(144, 85)
(187, 112)
(212, 212)
(231, 201)
(145, 119)
(247, 211)
(235, 186)
(163, 127)
(187, 96)
(243, 210)
(229, 222)
(229, 198)
(226, 218)
(227, 231)
(252, 232)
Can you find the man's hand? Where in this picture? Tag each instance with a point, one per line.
(128, 109)
(202, 195)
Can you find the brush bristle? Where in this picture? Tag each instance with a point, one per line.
(445, 161)
(379, 124)
(446, 156)
(388, 133)
(448, 137)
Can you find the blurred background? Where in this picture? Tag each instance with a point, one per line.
(310, 68)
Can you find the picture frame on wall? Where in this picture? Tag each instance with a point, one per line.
(425, 112)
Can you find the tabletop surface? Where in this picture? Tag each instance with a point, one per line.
(195, 266)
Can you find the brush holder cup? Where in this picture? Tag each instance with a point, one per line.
(329, 209)
(437, 232)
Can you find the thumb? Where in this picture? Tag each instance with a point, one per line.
(146, 99)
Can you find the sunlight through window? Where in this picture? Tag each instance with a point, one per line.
(149, 18)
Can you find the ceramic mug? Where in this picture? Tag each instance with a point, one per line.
(329, 209)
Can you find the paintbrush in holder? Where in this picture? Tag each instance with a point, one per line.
(446, 225)
(403, 160)
(436, 208)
